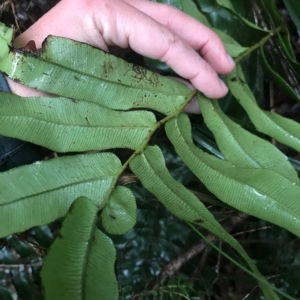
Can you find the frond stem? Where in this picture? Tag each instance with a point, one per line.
(258, 45)
(144, 144)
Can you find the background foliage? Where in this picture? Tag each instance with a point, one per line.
(162, 257)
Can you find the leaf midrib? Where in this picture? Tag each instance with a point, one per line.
(229, 131)
(214, 226)
(57, 188)
(192, 147)
(77, 125)
(248, 105)
(92, 76)
(85, 258)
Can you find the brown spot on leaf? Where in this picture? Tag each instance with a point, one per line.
(140, 74)
(237, 79)
(107, 66)
(59, 235)
(112, 217)
(199, 221)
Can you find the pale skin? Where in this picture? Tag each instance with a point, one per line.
(154, 30)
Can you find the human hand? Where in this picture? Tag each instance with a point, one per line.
(154, 30)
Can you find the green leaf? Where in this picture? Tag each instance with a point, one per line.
(240, 147)
(119, 214)
(40, 193)
(293, 8)
(80, 264)
(274, 19)
(150, 168)
(67, 125)
(243, 9)
(225, 3)
(282, 129)
(277, 78)
(206, 143)
(255, 76)
(176, 3)
(228, 5)
(189, 7)
(233, 47)
(229, 22)
(6, 35)
(112, 82)
(283, 39)
(258, 192)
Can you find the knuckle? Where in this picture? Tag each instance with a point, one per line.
(172, 41)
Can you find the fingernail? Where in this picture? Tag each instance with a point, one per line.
(223, 86)
(230, 60)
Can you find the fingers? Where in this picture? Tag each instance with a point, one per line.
(198, 36)
(69, 19)
(131, 27)
(192, 106)
(104, 23)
